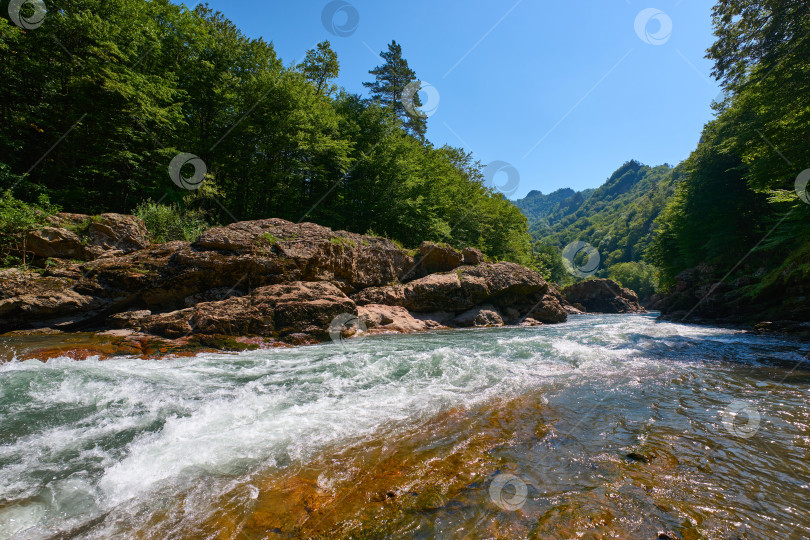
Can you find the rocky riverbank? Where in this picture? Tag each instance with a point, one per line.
(262, 283)
(748, 301)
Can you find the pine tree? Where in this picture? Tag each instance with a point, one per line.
(391, 88)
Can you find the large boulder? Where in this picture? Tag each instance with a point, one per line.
(500, 284)
(603, 296)
(149, 277)
(505, 280)
(444, 292)
(541, 307)
(231, 260)
(29, 299)
(175, 324)
(117, 233)
(132, 319)
(434, 258)
(378, 317)
(392, 295)
(549, 310)
(79, 236)
(55, 242)
(311, 252)
(472, 256)
(432, 293)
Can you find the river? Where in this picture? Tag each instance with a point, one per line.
(608, 426)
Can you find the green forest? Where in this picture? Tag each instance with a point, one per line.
(739, 208)
(96, 104)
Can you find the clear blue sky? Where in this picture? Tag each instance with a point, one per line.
(573, 76)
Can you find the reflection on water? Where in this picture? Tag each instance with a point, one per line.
(605, 427)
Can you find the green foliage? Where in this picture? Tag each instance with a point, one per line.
(17, 220)
(547, 260)
(167, 223)
(736, 212)
(642, 278)
(755, 36)
(147, 80)
(343, 241)
(320, 66)
(269, 239)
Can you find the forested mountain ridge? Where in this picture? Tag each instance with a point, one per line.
(538, 206)
(617, 218)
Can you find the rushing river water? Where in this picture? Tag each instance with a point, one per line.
(604, 427)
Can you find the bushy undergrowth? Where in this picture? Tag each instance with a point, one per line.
(17, 220)
(167, 223)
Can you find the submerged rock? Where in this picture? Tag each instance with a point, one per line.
(639, 458)
(482, 316)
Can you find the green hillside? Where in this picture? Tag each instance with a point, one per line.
(617, 218)
(538, 207)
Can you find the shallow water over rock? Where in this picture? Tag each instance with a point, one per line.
(603, 427)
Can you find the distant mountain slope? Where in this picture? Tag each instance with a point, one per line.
(541, 209)
(617, 218)
(537, 206)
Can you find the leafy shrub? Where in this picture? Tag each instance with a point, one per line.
(169, 222)
(17, 219)
(637, 276)
(547, 260)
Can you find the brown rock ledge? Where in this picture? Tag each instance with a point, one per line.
(251, 284)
